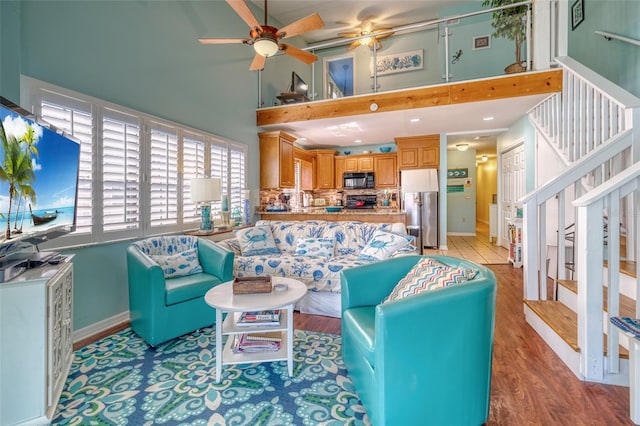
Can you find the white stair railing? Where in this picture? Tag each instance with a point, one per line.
(591, 127)
(589, 259)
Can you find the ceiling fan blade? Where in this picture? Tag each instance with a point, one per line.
(348, 35)
(257, 63)
(310, 23)
(302, 55)
(222, 40)
(381, 36)
(354, 44)
(244, 12)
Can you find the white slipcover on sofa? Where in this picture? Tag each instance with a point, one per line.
(315, 252)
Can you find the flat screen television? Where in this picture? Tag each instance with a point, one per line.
(298, 85)
(39, 168)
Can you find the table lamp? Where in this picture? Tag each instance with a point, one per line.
(203, 191)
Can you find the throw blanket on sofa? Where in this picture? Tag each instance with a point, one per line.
(353, 245)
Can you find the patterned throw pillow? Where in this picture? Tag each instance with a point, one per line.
(383, 244)
(257, 240)
(427, 275)
(315, 247)
(178, 265)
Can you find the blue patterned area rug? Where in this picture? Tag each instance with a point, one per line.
(120, 380)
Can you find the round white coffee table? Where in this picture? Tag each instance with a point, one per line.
(223, 300)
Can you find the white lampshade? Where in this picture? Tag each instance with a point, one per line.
(419, 180)
(265, 47)
(205, 189)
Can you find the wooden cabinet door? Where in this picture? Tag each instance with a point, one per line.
(365, 164)
(385, 168)
(306, 175)
(429, 156)
(351, 164)
(325, 169)
(339, 172)
(287, 170)
(408, 158)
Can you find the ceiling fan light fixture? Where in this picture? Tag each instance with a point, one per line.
(265, 47)
(462, 146)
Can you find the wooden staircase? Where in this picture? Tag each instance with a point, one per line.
(560, 314)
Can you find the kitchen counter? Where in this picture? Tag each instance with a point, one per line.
(319, 213)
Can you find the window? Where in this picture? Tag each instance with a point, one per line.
(135, 170)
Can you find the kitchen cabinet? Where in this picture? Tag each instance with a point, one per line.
(325, 169)
(418, 152)
(277, 168)
(339, 171)
(306, 161)
(385, 170)
(358, 163)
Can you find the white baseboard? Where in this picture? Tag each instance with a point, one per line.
(100, 326)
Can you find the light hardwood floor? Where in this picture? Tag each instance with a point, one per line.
(474, 248)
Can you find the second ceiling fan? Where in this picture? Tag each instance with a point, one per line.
(265, 39)
(372, 38)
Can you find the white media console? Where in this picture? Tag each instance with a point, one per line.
(36, 347)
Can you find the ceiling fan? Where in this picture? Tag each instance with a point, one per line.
(366, 29)
(265, 39)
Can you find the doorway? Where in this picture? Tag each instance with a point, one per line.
(339, 76)
(512, 186)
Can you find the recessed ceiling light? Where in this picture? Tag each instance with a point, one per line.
(303, 139)
(477, 137)
(358, 141)
(488, 118)
(414, 120)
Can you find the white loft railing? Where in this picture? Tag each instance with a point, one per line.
(590, 124)
(589, 257)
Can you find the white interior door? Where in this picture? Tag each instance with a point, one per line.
(513, 186)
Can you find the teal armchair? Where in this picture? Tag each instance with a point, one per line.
(423, 359)
(162, 309)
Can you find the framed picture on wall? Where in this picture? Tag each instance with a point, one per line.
(482, 42)
(577, 14)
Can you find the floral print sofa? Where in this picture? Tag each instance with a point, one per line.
(315, 251)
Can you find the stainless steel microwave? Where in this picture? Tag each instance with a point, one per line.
(363, 180)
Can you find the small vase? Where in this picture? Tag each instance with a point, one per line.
(385, 202)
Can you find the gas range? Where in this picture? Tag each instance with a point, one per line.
(361, 201)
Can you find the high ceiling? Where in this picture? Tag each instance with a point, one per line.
(463, 123)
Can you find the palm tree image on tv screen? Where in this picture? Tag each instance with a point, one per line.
(38, 178)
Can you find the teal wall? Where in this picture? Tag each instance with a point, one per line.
(615, 60)
(10, 50)
(461, 206)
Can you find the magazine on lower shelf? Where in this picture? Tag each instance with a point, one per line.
(242, 344)
(259, 318)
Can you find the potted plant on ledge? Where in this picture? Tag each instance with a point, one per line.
(510, 23)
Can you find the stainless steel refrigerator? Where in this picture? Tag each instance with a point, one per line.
(420, 201)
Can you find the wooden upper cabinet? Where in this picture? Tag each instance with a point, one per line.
(325, 168)
(358, 163)
(386, 170)
(418, 152)
(339, 172)
(276, 160)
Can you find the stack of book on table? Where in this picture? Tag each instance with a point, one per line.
(269, 317)
(257, 342)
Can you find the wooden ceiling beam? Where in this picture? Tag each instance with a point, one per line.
(508, 86)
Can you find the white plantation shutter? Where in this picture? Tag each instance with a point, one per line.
(135, 169)
(75, 117)
(163, 177)
(193, 166)
(219, 169)
(120, 171)
(237, 175)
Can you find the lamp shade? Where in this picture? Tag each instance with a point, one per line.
(419, 180)
(205, 189)
(265, 47)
